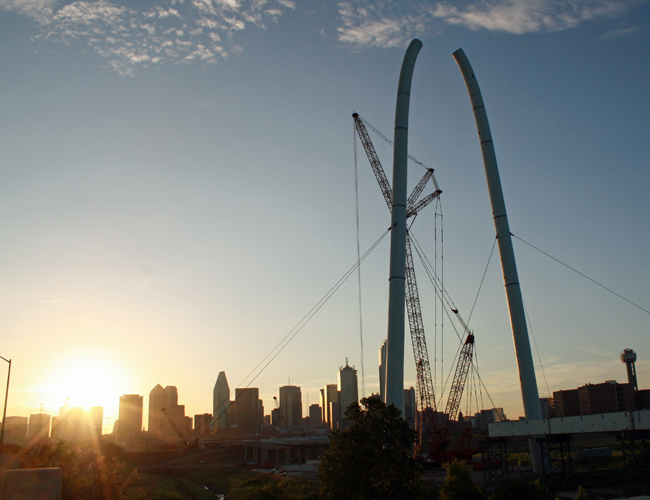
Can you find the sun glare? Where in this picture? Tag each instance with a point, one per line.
(88, 380)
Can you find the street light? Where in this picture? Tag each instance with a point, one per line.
(4, 413)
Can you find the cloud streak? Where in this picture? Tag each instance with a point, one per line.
(128, 36)
(380, 24)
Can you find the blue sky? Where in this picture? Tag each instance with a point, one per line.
(177, 189)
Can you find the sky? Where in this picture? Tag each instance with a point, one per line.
(177, 190)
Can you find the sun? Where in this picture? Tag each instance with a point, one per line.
(87, 380)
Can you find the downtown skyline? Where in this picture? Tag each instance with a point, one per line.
(171, 208)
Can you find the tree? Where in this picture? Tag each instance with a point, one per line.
(458, 484)
(515, 489)
(372, 457)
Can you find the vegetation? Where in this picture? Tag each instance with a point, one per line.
(458, 484)
(516, 489)
(88, 474)
(198, 483)
(372, 457)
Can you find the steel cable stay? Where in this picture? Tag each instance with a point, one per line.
(581, 274)
(356, 197)
(441, 292)
(539, 358)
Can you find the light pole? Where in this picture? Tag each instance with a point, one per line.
(4, 413)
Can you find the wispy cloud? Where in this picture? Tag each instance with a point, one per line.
(128, 36)
(621, 33)
(382, 24)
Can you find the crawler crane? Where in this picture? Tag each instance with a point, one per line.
(435, 432)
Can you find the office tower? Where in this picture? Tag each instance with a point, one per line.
(247, 410)
(567, 403)
(39, 428)
(73, 425)
(277, 420)
(16, 430)
(291, 405)
(175, 411)
(172, 396)
(315, 415)
(323, 412)
(202, 424)
(382, 371)
(221, 410)
(331, 406)
(130, 418)
(410, 409)
(157, 401)
(96, 420)
(347, 386)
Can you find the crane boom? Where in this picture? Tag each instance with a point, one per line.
(436, 432)
(384, 185)
(426, 394)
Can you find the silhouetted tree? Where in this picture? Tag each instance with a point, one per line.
(458, 484)
(516, 489)
(373, 457)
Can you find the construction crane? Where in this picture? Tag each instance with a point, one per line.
(283, 421)
(179, 433)
(435, 433)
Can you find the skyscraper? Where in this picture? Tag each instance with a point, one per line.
(382, 371)
(347, 386)
(247, 415)
(291, 404)
(315, 416)
(39, 428)
(221, 403)
(157, 401)
(96, 418)
(410, 409)
(331, 409)
(175, 411)
(202, 423)
(130, 418)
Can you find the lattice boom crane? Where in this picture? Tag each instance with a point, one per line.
(437, 434)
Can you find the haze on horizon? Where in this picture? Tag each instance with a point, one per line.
(177, 189)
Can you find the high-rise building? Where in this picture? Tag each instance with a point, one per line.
(347, 386)
(315, 416)
(221, 403)
(157, 401)
(96, 420)
(130, 418)
(172, 396)
(605, 398)
(16, 430)
(39, 428)
(175, 411)
(202, 423)
(247, 416)
(410, 410)
(332, 410)
(291, 404)
(382, 370)
(77, 425)
(567, 403)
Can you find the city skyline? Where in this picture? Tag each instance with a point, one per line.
(172, 208)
